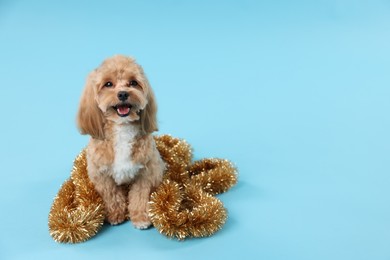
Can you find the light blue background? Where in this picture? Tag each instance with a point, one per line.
(295, 93)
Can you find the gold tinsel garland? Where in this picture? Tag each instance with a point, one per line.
(182, 206)
(77, 212)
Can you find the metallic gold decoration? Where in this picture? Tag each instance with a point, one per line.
(185, 212)
(215, 176)
(77, 212)
(182, 206)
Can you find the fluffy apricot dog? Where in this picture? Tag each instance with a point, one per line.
(118, 110)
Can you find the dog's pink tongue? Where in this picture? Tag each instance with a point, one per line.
(123, 110)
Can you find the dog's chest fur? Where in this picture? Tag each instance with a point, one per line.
(123, 168)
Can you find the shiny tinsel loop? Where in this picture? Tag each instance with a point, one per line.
(215, 176)
(183, 205)
(177, 155)
(188, 212)
(77, 212)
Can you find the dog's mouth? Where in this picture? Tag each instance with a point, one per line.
(123, 110)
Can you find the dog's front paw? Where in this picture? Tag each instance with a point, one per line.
(116, 217)
(141, 221)
(142, 225)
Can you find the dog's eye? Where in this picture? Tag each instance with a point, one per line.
(108, 84)
(133, 83)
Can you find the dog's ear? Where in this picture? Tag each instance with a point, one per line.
(149, 114)
(90, 119)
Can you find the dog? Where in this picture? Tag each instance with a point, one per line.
(118, 110)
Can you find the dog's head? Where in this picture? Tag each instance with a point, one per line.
(116, 91)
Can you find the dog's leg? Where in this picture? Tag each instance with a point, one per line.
(114, 197)
(138, 208)
(149, 177)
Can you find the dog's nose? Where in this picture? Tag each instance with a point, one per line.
(123, 95)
